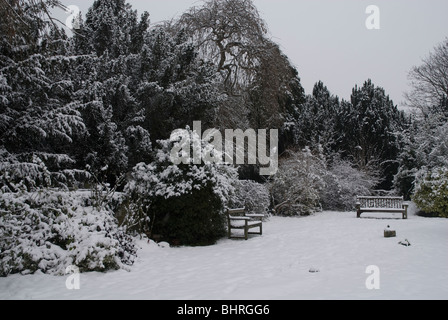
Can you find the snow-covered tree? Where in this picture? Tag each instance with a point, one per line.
(429, 81)
(259, 81)
(38, 116)
(367, 130)
(107, 75)
(425, 141)
(178, 87)
(112, 26)
(275, 87)
(315, 121)
(424, 146)
(231, 34)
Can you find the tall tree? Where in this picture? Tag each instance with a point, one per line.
(429, 81)
(369, 127)
(425, 143)
(314, 125)
(231, 34)
(178, 87)
(255, 75)
(110, 48)
(276, 85)
(38, 116)
(111, 24)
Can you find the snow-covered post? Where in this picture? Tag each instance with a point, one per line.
(389, 233)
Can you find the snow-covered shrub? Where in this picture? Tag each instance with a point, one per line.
(17, 175)
(431, 191)
(306, 183)
(253, 196)
(344, 182)
(51, 230)
(297, 186)
(185, 201)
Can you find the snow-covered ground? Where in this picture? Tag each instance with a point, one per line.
(275, 266)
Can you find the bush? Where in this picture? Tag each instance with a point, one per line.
(344, 182)
(431, 191)
(194, 218)
(298, 183)
(184, 203)
(305, 183)
(253, 196)
(51, 230)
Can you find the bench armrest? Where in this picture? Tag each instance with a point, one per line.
(239, 218)
(255, 215)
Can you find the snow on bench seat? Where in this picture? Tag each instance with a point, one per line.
(239, 220)
(382, 204)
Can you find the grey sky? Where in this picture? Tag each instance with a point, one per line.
(327, 39)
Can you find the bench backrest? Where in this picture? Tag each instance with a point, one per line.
(381, 202)
(236, 212)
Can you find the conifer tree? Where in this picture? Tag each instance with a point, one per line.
(369, 125)
(38, 116)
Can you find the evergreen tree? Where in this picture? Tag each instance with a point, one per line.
(108, 73)
(38, 116)
(367, 130)
(110, 24)
(178, 87)
(314, 126)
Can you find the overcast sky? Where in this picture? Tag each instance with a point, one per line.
(328, 39)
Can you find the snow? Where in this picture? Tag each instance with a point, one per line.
(324, 256)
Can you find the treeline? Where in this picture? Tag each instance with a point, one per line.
(102, 98)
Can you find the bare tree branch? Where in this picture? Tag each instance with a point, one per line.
(429, 81)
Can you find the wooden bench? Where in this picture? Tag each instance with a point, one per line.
(382, 204)
(237, 219)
